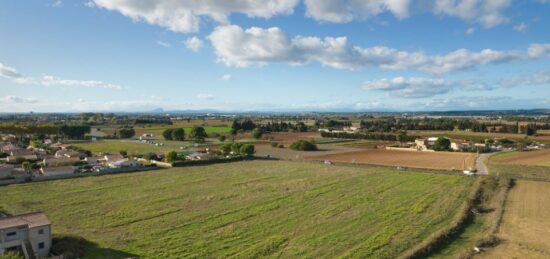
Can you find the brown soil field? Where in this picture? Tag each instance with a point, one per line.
(291, 136)
(538, 158)
(414, 159)
(525, 228)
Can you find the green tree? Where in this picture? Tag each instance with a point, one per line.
(126, 132)
(225, 149)
(167, 134)
(236, 148)
(178, 134)
(247, 150)
(123, 153)
(198, 134)
(222, 138)
(257, 133)
(442, 144)
(171, 157)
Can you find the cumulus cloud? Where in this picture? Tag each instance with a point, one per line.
(193, 43)
(521, 27)
(226, 77)
(255, 46)
(17, 99)
(339, 11)
(205, 97)
(487, 13)
(48, 80)
(185, 16)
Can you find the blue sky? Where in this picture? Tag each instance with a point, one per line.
(274, 55)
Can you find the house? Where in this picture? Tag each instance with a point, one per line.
(200, 156)
(9, 138)
(17, 159)
(420, 144)
(95, 160)
(147, 136)
(60, 146)
(68, 153)
(7, 148)
(112, 158)
(430, 142)
(460, 145)
(30, 233)
(61, 161)
(123, 163)
(59, 170)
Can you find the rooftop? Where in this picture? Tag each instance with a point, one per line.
(35, 219)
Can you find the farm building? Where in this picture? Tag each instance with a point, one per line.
(68, 153)
(460, 145)
(29, 233)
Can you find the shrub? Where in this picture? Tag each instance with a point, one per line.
(247, 150)
(303, 145)
(171, 157)
(222, 138)
(257, 133)
(281, 146)
(274, 144)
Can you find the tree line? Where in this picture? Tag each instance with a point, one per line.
(402, 137)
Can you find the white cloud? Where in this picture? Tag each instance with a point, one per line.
(205, 97)
(185, 16)
(193, 43)
(418, 87)
(256, 47)
(48, 80)
(164, 44)
(413, 87)
(521, 27)
(487, 13)
(470, 30)
(9, 72)
(17, 99)
(339, 11)
(226, 77)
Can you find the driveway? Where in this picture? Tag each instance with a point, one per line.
(480, 164)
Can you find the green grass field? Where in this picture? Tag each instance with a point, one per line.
(518, 171)
(247, 209)
(115, 146)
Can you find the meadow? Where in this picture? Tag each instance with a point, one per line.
(248, 209)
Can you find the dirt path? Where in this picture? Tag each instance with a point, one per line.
(525, 228)
(481, 165)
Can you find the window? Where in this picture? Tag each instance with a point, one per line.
(41, 245)
(41, 231)
(10, 234)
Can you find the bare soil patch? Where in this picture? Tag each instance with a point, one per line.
(429, 160)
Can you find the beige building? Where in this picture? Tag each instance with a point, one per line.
(30, 233)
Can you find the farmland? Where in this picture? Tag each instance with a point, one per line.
(159, 130)
(525, 228)
(535, 158)
(414, 159)
(115, 146)
(532, 164)
(247, 209)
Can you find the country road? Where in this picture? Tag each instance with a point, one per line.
(480, 164)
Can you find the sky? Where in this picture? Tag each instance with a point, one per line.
(274, 55)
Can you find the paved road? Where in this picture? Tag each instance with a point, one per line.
(480, 164)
